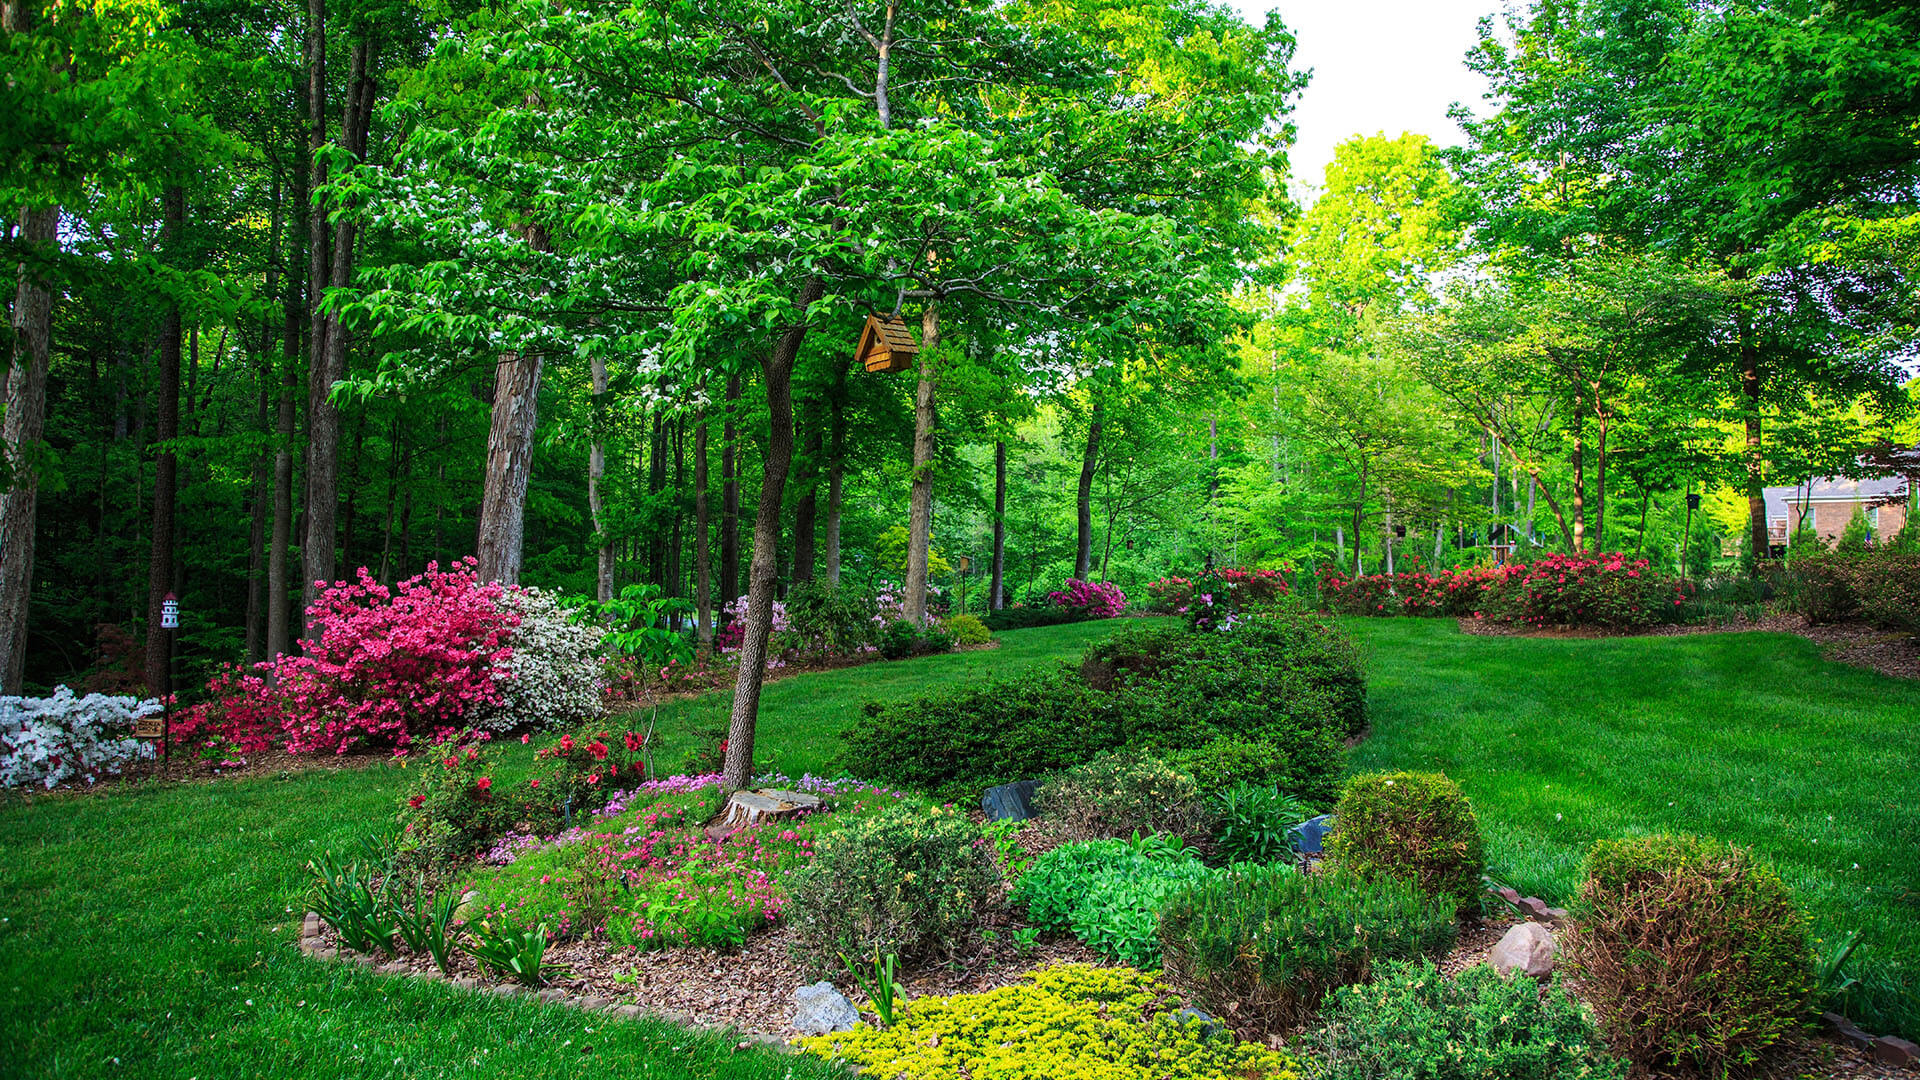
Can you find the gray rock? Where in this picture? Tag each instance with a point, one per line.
(819, 1009)
(1010, 802)
(1527, 947)
(1889, 1050)
(1209, 1027)
(1308, 834)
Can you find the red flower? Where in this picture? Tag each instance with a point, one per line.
(633, 743)
(451, 763)
(723, 746)
(416, 801)
(483, 783)
(533, 783)
(566, 743)
(593, 778)
(598, 750)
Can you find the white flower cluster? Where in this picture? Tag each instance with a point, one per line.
(52, 739)
(554, 676)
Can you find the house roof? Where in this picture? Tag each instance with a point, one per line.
(1832, 489)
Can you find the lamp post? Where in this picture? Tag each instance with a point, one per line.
(170, 626)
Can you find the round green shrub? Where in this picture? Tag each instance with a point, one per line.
(1691, 953)
(906, 881)
(1262, 945)
(1232, 759)
(1412, 1021)
(968, 629)
(1120, 794)
(1417, 827)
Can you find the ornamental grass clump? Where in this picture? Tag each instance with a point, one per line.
(1414, 826)
(1692, 954)
(1120, 794)
(1066, 1021)
(1412, 1021)
(1260, 946)
(907, 880)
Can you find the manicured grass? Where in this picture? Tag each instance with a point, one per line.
(150, 933)
(1752, 738)
(801, 717)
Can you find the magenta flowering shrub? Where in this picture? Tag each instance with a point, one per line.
(1090, 599)
(1227, 587)
(1609, 591)
(390, 665)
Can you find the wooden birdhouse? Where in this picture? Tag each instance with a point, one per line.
(886, 345)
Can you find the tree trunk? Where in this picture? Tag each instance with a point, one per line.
(676, 542)
(920, 514)
(596, 472)
(806, 507)
(22, 428)
(1756, 479)
(836, 468)
(702, 547)
(1579, 478)
(503, 502)
(656, 483)
(778, 372)
(1083, 551)
(997, 591)
(1600, 481)
(166, 465)
(328, 349)
(294, 308)
(259, 488)
(730, 496)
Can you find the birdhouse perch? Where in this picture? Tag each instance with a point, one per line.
(886, 345)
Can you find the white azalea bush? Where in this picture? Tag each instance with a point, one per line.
(555, 675)
(50, 740)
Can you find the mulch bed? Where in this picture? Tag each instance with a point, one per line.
(1855, 644)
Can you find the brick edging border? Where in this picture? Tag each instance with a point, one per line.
(313, 944)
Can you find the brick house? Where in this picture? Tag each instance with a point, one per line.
(1831, 502)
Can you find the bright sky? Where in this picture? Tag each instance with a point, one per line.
(1378, 66)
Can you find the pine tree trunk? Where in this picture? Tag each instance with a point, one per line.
(166, 464)
(503, 502)
(328, 355)
(997, 592)
(702, 546)
(596, 473)
(22, 429)
(836, 469)
(920, 515)
(1083, 550)
(730, 496)
(778, 371)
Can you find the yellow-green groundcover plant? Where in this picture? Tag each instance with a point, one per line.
(1066, 1022)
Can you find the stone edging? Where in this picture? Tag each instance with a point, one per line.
(1886, 1049)
(313, 944)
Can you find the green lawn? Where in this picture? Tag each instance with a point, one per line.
(1753, 738)
(154, 926)
(801, 717)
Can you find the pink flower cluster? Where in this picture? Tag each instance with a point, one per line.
(390, 665)
(1608, 590)
(1092, 599)
(1234, 587)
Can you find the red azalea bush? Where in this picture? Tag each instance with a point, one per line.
(1090, 599)
(391, 664)
(1231, 587)
(1554, 590)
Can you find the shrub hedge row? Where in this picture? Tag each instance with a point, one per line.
(1292, 682)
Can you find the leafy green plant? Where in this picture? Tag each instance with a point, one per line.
(1005, 838)
(1157, 845)
(878, 984)
(968, 629)
(346, 897)
(1253, 824)
(1831, 981)
(427, 924)
(906, 880)
(827, 618)
(1412, 1021)
(1263, 944)
(1415, 826)
(1025, 938)
(1121, 793)
(639, 625)
(515, 952)
(1119, 917)
(1690, 952)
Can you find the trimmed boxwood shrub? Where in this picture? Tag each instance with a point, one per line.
(907, 881)
(1120, 794)
(1690, 952)
(1414, 826)
(1260, 946)
(1292, 682)
(1411, 1021)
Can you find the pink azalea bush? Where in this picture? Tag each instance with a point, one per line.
(391, 665)
(1090, 599)
(1609, 590)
